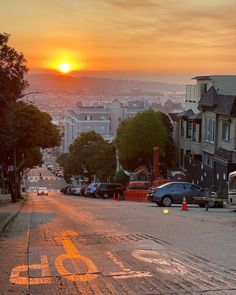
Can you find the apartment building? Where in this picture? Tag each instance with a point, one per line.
(103, 119)
(207, 130)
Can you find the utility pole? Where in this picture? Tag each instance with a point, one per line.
(156, 155)
(15, 182)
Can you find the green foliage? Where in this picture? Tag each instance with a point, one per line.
(33, 128)
(91, 155)
(121, 177)
(61, 160)
(24, 129)
(32, 157)
(136, 138)
(12, 70)
(168, 158)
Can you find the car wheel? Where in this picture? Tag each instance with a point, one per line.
(106, 196)
(159, 204)
(166, 201)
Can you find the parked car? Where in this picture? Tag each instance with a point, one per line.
(90, 191)
(77, 191)
(107, 190)
(67, 189)
(42, 191)
(139, 185)
(83, 189)
(173, 193)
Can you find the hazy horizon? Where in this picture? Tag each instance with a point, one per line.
(172, 78)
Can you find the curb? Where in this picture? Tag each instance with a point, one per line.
(5, 223)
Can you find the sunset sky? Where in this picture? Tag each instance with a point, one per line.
(166, 36)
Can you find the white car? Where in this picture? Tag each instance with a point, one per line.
(42, 191)
(77, 191)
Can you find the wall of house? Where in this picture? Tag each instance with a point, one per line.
(224, 84)
(116, 114)
(101, 127)
(228, 145)
(192, 98)
(198, 173)
(185, 143)
(68, 131)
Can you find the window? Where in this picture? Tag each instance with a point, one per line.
(189, 130)
(208, 160)
(181, 128)
(225, 131)
(181, 157)
(88, 118)
(200, 133)
(177, 187)
(209, 135)
(194, 133)
(191, 187)
(203, 88)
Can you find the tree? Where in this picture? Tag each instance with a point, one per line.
(12, 70)
(12, 84)
(91, 155)
(121, 177)
(31, 130)
(137, 136)
(23, 128)
(61, 160)
(168, 158)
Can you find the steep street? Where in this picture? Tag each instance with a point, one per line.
(60, 244)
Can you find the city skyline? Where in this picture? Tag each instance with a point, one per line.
(116, 35)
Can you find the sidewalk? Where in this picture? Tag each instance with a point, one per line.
(8, 210)
(229, 206)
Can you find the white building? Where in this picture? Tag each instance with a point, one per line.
(101, 119)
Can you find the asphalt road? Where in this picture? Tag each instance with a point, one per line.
(47, 179)
(60, 244)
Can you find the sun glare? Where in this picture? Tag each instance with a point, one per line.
(65, 68)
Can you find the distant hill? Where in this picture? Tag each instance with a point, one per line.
(90, 85)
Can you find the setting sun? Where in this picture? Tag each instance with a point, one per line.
(65, 68)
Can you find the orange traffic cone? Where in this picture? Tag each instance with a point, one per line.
(118, 197)
(114, 196)
(184, 205)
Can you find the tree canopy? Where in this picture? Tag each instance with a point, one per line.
(30, 130)
(24, 129)
(90, 155)
(12, 70)
(137, 136)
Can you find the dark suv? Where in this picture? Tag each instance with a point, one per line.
(107, 190)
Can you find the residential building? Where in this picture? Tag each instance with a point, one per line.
(207, 130)
(84, 119)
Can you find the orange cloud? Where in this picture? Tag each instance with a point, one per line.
(135, 35)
